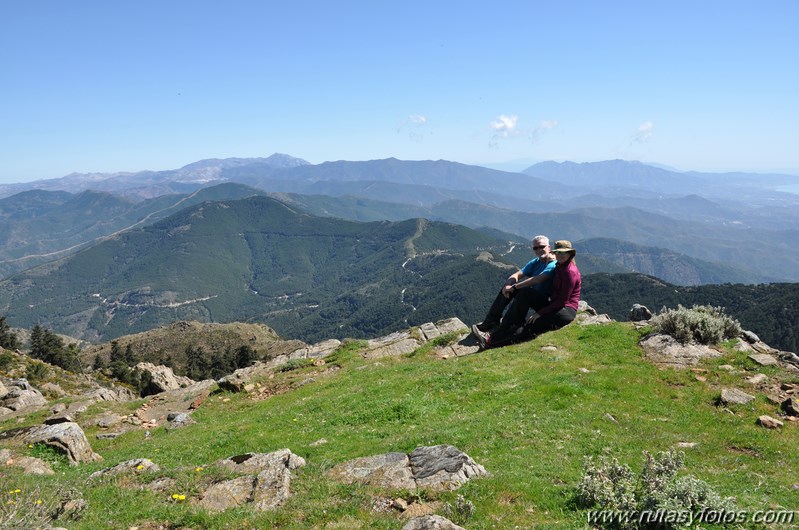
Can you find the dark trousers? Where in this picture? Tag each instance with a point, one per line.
(518, 304)
(548, 322)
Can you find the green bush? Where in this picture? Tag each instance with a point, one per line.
(656, 498)
(701, 324)
(37, 371)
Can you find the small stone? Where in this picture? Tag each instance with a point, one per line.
(610, 417)
(686, 445)
(584, 370)
(107, 435)
(757, 379)
(769, 423)
(400, 504)
(249, 387)
(727, 367)
(320, 441)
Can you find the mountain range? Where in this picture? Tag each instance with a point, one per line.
(137, 249)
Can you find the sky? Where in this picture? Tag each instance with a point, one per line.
(107, 86)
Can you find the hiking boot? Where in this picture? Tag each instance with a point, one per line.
(486, 325)
(482, 337)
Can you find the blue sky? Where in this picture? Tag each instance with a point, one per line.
(106, 86)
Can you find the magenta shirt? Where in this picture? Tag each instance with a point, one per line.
(566, 284)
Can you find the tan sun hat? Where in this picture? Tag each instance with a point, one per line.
(563, 246)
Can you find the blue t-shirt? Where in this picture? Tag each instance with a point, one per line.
(535, 267)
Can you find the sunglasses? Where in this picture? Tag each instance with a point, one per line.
(539, 247)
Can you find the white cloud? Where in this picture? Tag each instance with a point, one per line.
(504, 126)
(644, 133)
(507, 126)
(414, 123)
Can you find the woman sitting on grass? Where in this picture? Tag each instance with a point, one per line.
(562, 307)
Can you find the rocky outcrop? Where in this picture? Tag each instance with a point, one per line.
(438, 468)
(19, 396)
(666, 351)
(110, 394)
(265, 486)
(162, 378)
(66, 437)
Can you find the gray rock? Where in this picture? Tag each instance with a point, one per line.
(431, 522)
(180, 420)
(757, 379)
(665, 350)
(111, 394)
(267, 490)
(58, 407)
(236, 381)
(583, 307)
(390, 470)
(67, 438)
(21, 396)
(440, 468)
(750, 337)
(768, 422)
(228, 494)
(443, 467)
(392, 345)
(163, 378)
(3, 390)
(107, 435)
(733, 396)
(764, 359)
(137, 465)
(639, 312)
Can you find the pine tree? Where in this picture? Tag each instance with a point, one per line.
(8, 339)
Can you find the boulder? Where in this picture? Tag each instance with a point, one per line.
(764, 359)
(228, 494)
(639, 312)
(733, 396)
(439, 468)
(182, 419)
(3, 390)
(443, 467)
(666, 351)
(236, 381)
(162, 378)
(750, 337)
(390, 471)
(67, 438)
(768, 422)
(431, 522)
(265, 486)
(392, 345)
(20, 396)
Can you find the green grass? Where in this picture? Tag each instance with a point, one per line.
(528, 415)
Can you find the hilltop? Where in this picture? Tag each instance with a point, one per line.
(527, 414)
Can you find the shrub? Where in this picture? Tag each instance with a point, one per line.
(642, 501)
(701, 324)
(37, 371)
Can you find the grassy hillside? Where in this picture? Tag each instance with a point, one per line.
(528, 413)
